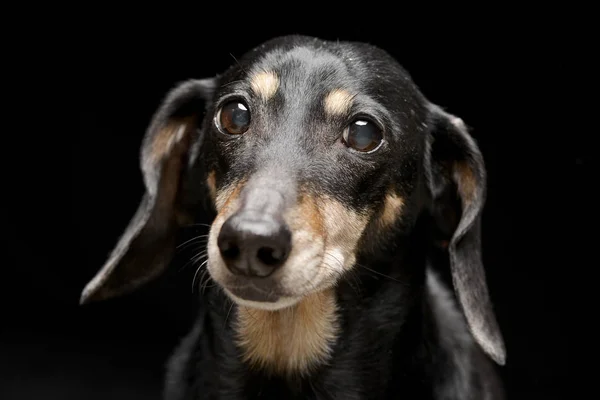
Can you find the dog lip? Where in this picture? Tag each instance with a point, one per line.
(251, 292)
(263, 290)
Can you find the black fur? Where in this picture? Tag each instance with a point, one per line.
(403, 334)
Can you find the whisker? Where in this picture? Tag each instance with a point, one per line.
(227, 316)
(196, 224)
(196, 274)
(340, 270)
(357, 281)
(353, 281)
(232, 82)
(312, 285)
(204, 285)
(352, 273)
(203, 281)
(189, 262)
(335, 258)
(200, 255)
(196, 258)
(238, 63)
(250, 313)
(379, 273)
(195, 238)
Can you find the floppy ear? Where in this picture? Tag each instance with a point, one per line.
(145, 248)
(457, 180)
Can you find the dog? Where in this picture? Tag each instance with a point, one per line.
(344, 207)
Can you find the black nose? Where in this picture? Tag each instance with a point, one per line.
(253, 244)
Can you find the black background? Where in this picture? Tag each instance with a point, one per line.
(511, 78)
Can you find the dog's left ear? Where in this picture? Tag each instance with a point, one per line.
(457, 181)
(146, 247)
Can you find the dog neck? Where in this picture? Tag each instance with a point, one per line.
(290, 341)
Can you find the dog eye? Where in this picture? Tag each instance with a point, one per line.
(234, 118)
(362, 135)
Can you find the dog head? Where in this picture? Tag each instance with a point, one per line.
(313, 154)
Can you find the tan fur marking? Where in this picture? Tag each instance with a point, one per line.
(166, 138)
(466, 181)
(166, 149)
(160, 144)
(338, 102)
(292, 340)
(343, 226)
(211, 182)
(296, 339)
(392, 209)
(225, 196)
(306, 216)
(265, 84)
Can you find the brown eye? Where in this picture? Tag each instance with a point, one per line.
(362, 135)
(234, 118)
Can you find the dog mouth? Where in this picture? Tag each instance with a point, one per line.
(285, 288)
(262, 261)
(255, 291)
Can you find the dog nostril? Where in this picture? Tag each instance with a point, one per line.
(270, 256)
(230, 250)
(254, 245)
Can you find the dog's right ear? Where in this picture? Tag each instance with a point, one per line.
(146, 247)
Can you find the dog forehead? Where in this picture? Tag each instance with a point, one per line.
(308, 66)
(303, 67)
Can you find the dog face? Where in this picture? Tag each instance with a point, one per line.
(307, 150)
(314, 155)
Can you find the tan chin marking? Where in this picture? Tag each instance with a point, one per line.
(292, 340)
(392, 209)
(265, 84)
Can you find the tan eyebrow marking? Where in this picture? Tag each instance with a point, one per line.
(338, 102)
(265, 84)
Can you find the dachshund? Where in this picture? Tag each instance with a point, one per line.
(345, 243)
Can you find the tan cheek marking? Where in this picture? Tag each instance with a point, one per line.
(226, 196)
(343, 227)
(338, 102)
(211, 182)
(291, 341)
(305, 216)
(265, 84)
(466, 181)
(392, 208)
(225, 204)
